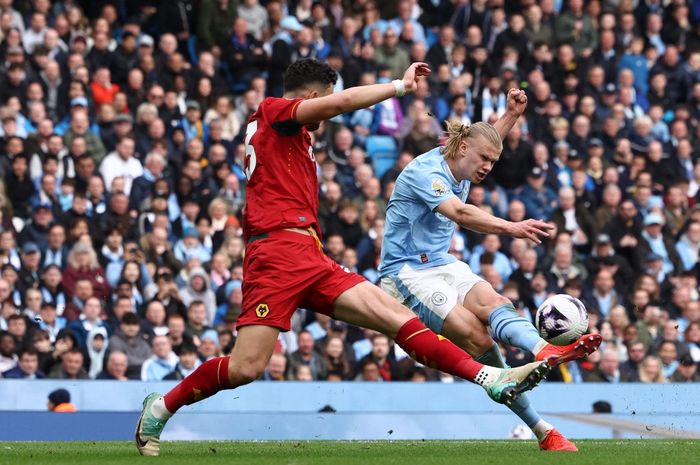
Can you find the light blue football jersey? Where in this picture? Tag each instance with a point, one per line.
(414, 233)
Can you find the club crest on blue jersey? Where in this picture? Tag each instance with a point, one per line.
(439, 187)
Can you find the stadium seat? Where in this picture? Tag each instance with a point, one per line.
(383, 151)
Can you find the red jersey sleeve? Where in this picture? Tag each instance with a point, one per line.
(281, 114)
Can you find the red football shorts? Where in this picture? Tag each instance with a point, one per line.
(287, 270)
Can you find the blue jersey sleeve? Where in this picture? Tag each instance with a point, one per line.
(431, 187)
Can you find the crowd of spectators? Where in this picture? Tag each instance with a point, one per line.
(122, 139)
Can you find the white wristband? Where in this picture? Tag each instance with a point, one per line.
(399, 87)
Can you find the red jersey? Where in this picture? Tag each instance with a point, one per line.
(282, 189)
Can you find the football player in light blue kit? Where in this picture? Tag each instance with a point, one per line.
(418, 270)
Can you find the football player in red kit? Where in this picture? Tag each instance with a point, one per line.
(285, 267)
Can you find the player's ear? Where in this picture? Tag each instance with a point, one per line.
(463, 147)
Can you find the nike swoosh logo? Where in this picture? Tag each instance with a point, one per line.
(139, 442)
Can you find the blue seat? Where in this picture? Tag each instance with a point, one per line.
(383, 151)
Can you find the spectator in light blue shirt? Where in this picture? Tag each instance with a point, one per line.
(161, 363)
(491, 244)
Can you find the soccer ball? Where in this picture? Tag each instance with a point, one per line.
(561, 319)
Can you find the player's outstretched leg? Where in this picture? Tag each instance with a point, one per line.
(547, 436)
(556, 355)
(254, 346)
(509, 327)
(366, 305)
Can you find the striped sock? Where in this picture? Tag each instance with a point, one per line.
(521, 407)
(509, 327)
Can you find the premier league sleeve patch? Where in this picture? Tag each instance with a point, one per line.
(438, 186)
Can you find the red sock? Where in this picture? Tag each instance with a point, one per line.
(210, 378)
(435, 351)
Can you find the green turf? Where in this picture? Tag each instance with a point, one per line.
(648, 452)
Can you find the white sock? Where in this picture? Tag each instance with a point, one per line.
(487, 375)
(539, 346)
(541, 429)
(158, 409)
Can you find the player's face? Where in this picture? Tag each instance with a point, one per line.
(478, 158)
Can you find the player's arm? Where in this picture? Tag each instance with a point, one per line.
(475, 219)
(320, 109)
(515, 107)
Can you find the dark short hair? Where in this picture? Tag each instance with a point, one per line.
(188, 348)
(130, 319)
(28, 351)
(307, 72)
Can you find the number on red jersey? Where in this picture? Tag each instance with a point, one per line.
(250, 158)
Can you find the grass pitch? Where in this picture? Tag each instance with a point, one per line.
(647, 452)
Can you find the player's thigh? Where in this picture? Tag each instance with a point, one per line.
(466, 330)
(253, 349)
(482, 299)
(432, 295)
(429, 292)
(368, 306)
(275, 281)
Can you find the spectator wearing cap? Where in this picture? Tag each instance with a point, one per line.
(210, 346)
(37, 229)
(603, 256)
(540, 201)
(192, 123)
(686, 372)
(50, 322)
(28, 277)
(657, 243)
(59, 402)
(574, 219)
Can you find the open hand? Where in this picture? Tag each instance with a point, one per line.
(531, 229)
(413, 73)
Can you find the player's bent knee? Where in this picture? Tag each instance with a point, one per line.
(244, 372)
